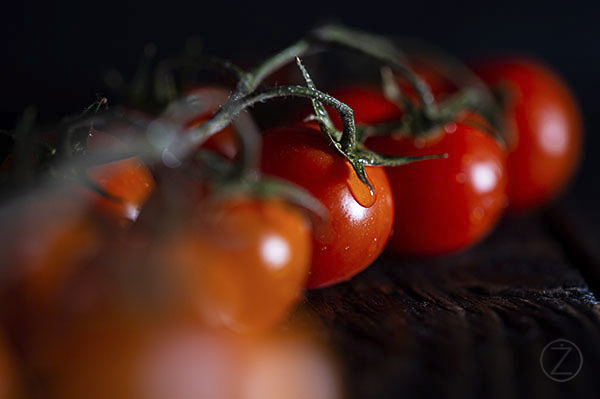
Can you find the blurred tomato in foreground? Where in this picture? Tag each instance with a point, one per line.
(45, 238)
(290, 365)
(243, 263)
(120, 359)
(544, 128)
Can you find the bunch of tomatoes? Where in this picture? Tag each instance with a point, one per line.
(159, 254)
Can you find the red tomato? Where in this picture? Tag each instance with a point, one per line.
(359, 222)
(243, 265)
(128, 180)
(440, 205)
(443, 205)
(545, 129)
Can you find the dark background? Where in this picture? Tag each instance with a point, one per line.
(54, 55)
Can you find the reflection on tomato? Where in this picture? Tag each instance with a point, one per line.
(359, 222)
(544, 129)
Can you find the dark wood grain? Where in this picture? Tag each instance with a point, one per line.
(468, 325)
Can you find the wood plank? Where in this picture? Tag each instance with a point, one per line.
(468, 325)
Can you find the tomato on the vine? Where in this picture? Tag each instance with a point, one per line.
(243, 263)
(544, 132)
(441, 205)
(359, 222)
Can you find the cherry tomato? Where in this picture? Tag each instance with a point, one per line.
(129, 181)
(545, 132)
(359, 222)
(244, 263)
(443, 205)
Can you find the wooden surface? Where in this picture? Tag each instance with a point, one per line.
(472, 324)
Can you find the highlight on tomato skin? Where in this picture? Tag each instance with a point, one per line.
(359, 222)
(544, 128)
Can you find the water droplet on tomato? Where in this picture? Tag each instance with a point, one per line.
(360, 191)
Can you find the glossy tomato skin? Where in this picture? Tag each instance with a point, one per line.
(354, 235)
(443, 205)
(544, 129)
(244, 263)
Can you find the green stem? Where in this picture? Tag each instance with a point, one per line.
(234, 106)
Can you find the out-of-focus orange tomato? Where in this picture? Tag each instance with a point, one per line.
(244, 263)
